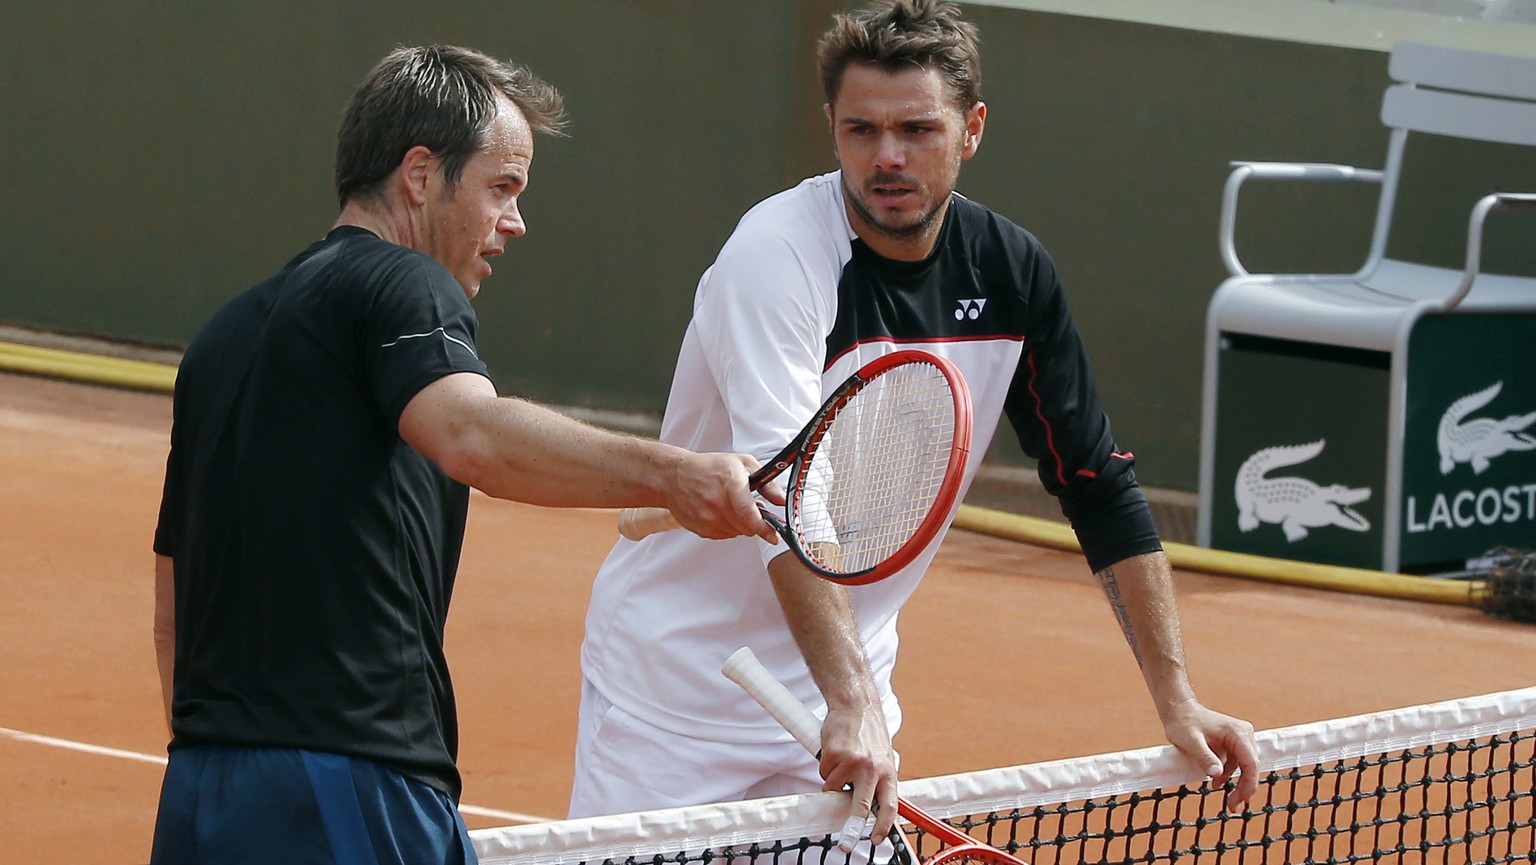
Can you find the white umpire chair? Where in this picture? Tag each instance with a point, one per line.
(1384, 418)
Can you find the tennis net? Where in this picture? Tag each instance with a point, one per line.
(1444, 782)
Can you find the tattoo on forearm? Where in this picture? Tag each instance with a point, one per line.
(1112, 591)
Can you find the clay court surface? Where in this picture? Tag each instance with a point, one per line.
(1010, 654)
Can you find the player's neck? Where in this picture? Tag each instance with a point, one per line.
(378, 216)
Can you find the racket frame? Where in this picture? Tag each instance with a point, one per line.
(637, 523)
(799, 453)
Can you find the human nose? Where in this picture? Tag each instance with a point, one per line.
(890, 155)
(511, 222)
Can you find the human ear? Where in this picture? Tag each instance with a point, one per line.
(975, 123)
(416, 169)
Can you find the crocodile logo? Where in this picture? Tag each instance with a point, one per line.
(1479, 440)
(1296, 504)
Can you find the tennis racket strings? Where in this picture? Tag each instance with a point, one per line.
(870, 480)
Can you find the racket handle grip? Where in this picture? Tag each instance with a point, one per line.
(637, 523)
(743, 668)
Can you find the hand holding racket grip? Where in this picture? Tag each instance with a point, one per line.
(743, 668)
(637, 523)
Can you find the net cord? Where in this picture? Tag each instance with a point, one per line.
(810, 814)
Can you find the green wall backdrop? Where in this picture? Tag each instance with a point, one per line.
(158, 157)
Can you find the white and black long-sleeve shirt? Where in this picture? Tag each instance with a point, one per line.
(795, 303)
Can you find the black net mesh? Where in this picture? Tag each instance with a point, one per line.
(1449, 782)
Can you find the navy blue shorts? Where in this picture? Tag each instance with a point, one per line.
(234, 806)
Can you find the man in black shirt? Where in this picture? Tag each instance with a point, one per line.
(328, 423)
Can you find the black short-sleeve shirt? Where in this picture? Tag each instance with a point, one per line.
(314, 550)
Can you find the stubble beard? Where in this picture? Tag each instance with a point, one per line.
(908, 233)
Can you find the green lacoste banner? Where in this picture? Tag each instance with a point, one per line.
(1469, 445)
(1300, 455)
(1305, 446)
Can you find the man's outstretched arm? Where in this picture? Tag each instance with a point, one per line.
(1140, 591)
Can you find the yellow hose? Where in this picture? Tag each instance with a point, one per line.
(1046, 533)
(160, 377)
(95, 369)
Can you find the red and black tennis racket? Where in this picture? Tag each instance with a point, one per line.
(743, 668)
(874, 474)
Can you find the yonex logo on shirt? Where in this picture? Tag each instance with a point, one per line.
(970, 308)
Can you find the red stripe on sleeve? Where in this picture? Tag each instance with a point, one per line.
(1050, 434)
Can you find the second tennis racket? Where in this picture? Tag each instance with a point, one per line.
(874, 474)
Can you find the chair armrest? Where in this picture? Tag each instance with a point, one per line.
(1241, 171)
(1480, 210)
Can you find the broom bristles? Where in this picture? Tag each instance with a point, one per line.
(1509, 591)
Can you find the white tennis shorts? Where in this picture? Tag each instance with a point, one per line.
(624, 764)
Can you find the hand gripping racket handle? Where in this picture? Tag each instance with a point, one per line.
(637, 523)
(743, 668)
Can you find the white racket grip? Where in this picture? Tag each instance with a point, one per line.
(743, 668)
(637, 523)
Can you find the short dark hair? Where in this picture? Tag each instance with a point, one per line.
(441, 97)
(894, 34)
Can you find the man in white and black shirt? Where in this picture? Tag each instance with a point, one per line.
(813, 283)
